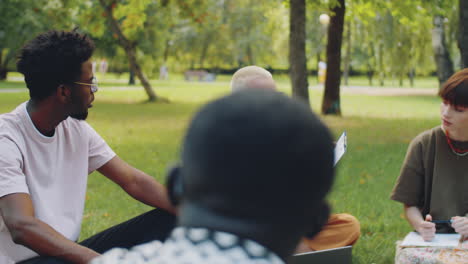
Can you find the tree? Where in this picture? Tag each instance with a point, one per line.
(219, 33)
(442, 58)
(297, 57)
(331, 97)
(440, 10)
(347, 57)
(129, 47)
(21, 20)
(463, 32)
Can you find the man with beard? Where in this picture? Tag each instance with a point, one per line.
(47, 151)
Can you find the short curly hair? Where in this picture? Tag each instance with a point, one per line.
(53, 58)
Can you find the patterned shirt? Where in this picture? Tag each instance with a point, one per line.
(193, 245)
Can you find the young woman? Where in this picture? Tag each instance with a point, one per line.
(433, 183)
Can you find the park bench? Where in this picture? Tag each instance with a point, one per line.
(199, 75)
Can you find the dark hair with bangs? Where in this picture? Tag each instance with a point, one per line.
(455, 89)
(53, 58)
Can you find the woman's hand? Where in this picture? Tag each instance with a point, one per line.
(460, 224)
(426, 229)
(422, 225)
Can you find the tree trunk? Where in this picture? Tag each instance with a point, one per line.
(347, 58)
(166, 50)
(319, 59)
(371, 66)
(3, 70)
(131, 79)
(444, 65)
(411, 75)
(130, 50)
(250, 55)
(3, 73)
(206, 44)
(381, 64)
(297, 55)
(463, 31)
(331, 97)
(370, 75)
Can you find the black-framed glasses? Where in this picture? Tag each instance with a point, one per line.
(93, 85)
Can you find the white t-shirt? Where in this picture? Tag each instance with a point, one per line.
(52, 170)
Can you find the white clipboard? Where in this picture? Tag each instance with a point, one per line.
(340, 147)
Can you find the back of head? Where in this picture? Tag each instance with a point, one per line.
(51, 59)
(252, 77)
(255, 153)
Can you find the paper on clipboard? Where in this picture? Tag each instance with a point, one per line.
(340, 147)
(413, 239)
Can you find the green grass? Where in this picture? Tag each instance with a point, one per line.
(177, 80)
(148, 137)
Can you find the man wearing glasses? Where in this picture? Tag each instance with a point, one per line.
(47, 151)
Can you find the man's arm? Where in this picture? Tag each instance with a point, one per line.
(18, 214)
(137, 184)
(424, 227)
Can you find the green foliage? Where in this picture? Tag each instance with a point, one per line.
(389, 38)
(230, 33)
(21, 19)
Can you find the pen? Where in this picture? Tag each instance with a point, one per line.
(441, 221)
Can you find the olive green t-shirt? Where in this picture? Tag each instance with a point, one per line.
(434, 178)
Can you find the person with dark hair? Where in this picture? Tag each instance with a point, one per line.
(47, 151)
(255, 168)
(433, 183)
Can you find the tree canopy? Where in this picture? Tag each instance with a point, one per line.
(381, 39)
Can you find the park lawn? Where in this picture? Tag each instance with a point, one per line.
(148, 136)
(15, 80)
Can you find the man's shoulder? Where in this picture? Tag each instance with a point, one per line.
(11, 124)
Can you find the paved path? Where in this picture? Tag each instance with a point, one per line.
(13, 90)
(383, 91)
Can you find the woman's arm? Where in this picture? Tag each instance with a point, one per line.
(423, 226)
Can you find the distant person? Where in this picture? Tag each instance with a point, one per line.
(341, 229)
(103, 66)
(322, 72)
(47, 151)
(163, 72)
(93, 66)
(433, 181)
(255, 168)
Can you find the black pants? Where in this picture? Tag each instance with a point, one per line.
(153, 225)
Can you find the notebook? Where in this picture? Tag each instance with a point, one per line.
(341, 255)
(340, 147)
(413, 239)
